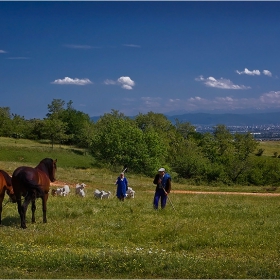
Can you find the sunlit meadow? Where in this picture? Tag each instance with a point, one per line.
(221, 236)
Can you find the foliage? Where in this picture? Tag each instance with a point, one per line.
(148, 141)
(117, 141)
(208, 236)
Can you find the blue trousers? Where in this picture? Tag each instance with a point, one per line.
(160, 195)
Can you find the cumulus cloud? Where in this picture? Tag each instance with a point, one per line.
(124, 81)
(220, 83)
(254, 72)
(267, 73)
(248, 72)
(70, 81)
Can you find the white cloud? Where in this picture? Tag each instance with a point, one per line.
(70, 81)
(267, 73)
(220, 83)
(109, 82)
(132, 45)
(84, 47)
(272, 97)
(2, 51)
(18, 57)
(248, 72)
(125, 82)
(151, 102)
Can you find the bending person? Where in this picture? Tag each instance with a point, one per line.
(163, 182)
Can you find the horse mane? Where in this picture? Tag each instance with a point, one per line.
(46, 164)
(7, 177)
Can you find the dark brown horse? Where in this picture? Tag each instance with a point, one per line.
(33, 183)
(5, 186)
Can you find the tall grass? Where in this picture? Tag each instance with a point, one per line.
(206, 236)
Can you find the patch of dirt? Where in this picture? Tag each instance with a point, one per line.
(61, 184)
(227, 193)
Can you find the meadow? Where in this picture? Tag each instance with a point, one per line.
(206, 235)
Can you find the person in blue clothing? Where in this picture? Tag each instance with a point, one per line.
(122, 186)
(163, 188)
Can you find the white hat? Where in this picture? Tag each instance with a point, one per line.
(161, 169)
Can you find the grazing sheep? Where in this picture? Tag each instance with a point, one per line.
(81, 193)
(106, 194)
(101, 194)
(53, 192)
(80, 189)
(63, 191)
(98, 194)
(130, 193)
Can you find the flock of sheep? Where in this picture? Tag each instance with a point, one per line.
(80, 190)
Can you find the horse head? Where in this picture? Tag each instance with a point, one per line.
(11, 194)
(52, 170)
(49, 166)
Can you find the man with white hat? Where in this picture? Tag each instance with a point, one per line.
(163, 182)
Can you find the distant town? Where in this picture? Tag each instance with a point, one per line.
(260, 132)
(264, 126)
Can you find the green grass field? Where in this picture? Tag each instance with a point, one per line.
(215, 236)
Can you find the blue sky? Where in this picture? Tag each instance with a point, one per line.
(136, 57)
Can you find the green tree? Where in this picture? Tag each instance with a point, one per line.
(229, 154)
(77, 122)
(118, 141)
(54, 129)
(187, 130)
(34, 129)
(56, 107)
(5, 121)
(19, 127)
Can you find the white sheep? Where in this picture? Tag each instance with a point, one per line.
(80, 189)
(81, 193)
(130, 193)
(106, 194)
(64, 191)
(98, 194)
(101, 194)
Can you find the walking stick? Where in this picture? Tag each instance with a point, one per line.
(169, 199)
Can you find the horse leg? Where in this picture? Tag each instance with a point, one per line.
(33, 208)
(44, 205)
(1, 201)
(22, 210)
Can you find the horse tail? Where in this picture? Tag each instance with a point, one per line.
(32, 186)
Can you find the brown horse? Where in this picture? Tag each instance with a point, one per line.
(33, 183)
(5, 186)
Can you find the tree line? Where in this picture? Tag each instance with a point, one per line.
(149, 141)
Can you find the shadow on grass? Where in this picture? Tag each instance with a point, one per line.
(11, 221)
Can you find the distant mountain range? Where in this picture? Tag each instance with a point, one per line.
(229, 119)
(225, 119)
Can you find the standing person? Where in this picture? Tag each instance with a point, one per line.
(122, 186)
(163, 182)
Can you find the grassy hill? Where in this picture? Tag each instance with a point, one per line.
(206, 235)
